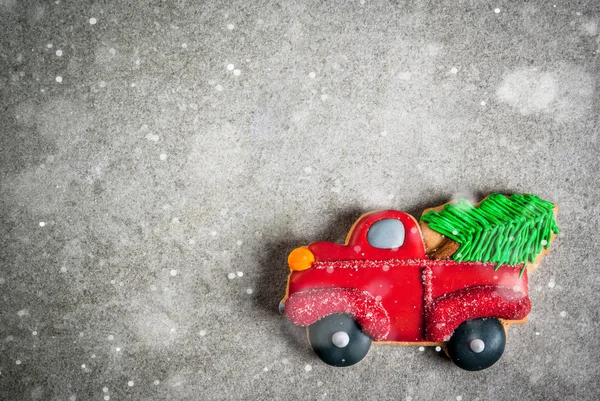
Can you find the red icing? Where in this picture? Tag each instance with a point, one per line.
(399, 294)
(357, 246)
(447, 312)
(306, 307)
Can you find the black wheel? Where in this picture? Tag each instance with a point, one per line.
(338, 340)
(477, 344)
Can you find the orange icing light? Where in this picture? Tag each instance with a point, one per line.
(300, 259)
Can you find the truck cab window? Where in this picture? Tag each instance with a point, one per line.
(386, 234)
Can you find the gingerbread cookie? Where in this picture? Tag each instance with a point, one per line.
(457, 279)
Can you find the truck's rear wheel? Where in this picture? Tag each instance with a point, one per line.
(477, 344)
(338, 340)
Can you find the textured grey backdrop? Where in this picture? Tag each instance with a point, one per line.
(151, 148)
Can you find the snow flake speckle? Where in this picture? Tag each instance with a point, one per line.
(438, 348)
(59, 53)
(106, 397)
(230, 67)
(59, 79)
(563, 314)
(49, 45)
(42, 224)
(18, 362)
(202, 333)
(173, 272)
(130, 383)
(93, 21)
(83, 366)
(497, 10)
(454, 70)
(163, 156)
(421, 349)
(23, 312)
(230, 26)
(105, 389)
(308, 367)
(458, 398)
(237, 73)
(551, 283)
(239, 274)
(231, 276)
(34, 333)
(219, 88)
(249, 291)
(312, 74)
(111, 337)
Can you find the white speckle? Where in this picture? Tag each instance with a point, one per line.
(152, 288)
(414, 230)
(59, 53)
(240, 274)
(213, 233)
(231, 276)
(454, 70)
(458, 398)
(184, 45)
(329, 269)
(156, 382)
(383, 133)
(544, 242)
(324, 97)
(219, 88)
(106, 397)
(537, 333)
(93, 21)
(42, 224)
(495, 277)
(173, 330)
(497, 10)
(191, 241)
(458, 255)
(23, 312)
(202, 333)
(173, 272)
(133, 84)
(118, 349)
(49, 45)
(137, 62)
(312, 74)
(105, 389)
(249, 291)
(130, 383)
(378, 298)
(18, 361)
(551, 283)
(265, 369)
(63, 269)
(58, 79)
(421, 349)
(230, 26)
(111, 337)
(563, 314)
(152, 137)
(385, 268)
(483, 103)
(230, 67)
(163, 156)
(237, 73)
(438, 348)
(455, 232)
(308, 367)
(34, 333)
(83, 366)
(102, 84)
(239, 242)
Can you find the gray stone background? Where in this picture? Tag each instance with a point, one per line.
(152, 148)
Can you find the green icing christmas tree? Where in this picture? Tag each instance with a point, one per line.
(500, 230)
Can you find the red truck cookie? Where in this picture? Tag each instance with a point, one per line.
(385, 285)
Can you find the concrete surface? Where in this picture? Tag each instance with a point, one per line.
(152, 148)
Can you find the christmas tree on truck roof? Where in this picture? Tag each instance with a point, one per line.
(503, 230)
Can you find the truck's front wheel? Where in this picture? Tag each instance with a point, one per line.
(477, 344)
(338, 340)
